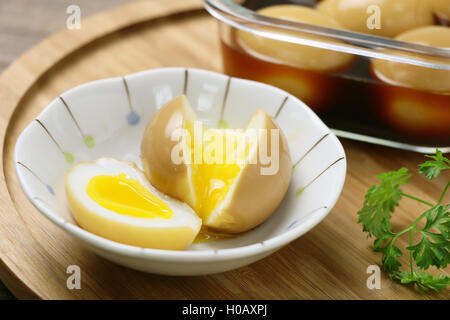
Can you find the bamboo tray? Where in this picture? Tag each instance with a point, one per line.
(328, 262)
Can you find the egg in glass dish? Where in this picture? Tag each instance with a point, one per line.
(416, 99)
(441, 9)
(299, 69)
(395, 16)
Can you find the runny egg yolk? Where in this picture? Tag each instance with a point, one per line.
(127, 196)
(212, 181)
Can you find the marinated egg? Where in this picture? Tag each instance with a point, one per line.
(395, 16)
(416, 77)
(306, 57)
(113, 199)
(317, 90)
(441, 9)
(416, 113)
(416, 100)
(231, 196)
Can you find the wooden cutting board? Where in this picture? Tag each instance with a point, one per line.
(328, 262)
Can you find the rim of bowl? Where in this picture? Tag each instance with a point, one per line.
(258, 248)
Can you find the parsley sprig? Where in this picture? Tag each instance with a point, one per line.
(433, 248)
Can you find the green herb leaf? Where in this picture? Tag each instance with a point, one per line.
(439, 217)
(424, 280)
(432, 168)
(380, 202)
(391, 253)
(379, 243)
(432, 250)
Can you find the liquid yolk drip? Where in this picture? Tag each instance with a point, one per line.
(212, 181)
(206, 235)
(126, 196)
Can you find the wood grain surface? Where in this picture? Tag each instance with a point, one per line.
(23, 23)
(329, 262)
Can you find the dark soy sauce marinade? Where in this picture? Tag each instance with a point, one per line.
(351, 99)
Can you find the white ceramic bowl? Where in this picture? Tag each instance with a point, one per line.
(108, 117)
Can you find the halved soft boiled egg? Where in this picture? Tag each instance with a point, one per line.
(113, 199)
(232, 195)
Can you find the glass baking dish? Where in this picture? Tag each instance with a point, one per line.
(351, 99)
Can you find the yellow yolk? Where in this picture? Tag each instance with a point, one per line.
(126, 196)
(212, 181)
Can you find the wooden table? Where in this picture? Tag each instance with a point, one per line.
(330, 261)
(24, 23)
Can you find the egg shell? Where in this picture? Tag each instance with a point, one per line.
(254, 196)
(157, 146)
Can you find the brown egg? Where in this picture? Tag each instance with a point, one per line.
(417, 77)
(416, 100)
(415, 113)
(316, 89)
(395, 16)
(230, 197)
(441, 8)
(296, 55)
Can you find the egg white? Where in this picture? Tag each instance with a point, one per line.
(79, 176)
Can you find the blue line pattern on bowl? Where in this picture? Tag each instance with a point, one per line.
(50, 189)
(293, 223)
(47, 186)
(133, 117)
